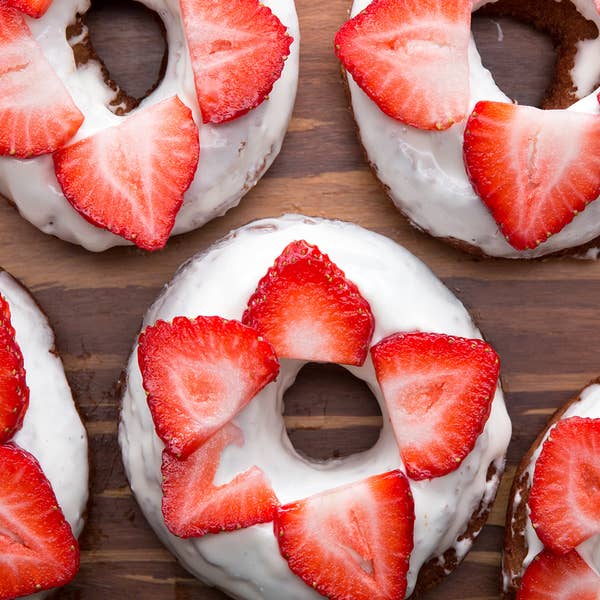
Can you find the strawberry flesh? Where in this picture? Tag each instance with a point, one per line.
(308, 310)
(238, 49)
(14, 393)
(193, 506)
(141, 169)
(534, 169)
(438, 390)
(565, 493)
(199, 374)
(351, 542)
(552, 577)
(411, 59)
(33, 123)
(33, 8)
(37, 548)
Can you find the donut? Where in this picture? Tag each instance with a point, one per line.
(43, 454)
(78, 164)
(455, 155)
(552, 537)
(206, 450)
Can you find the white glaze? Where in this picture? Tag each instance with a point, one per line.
(52, 430)
(233, 155)
(404, 295)
(425, 173)
(587, 406)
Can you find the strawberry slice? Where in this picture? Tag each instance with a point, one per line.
(411, 59)
(552, 577)
(33, 123)
(534, 169)
(351, 542)
(14, 393)
(142, 168)
(33, 8)
(308, 310)
(37, 548)
(238, 49)
(193, 506)
(438, 390)
(565, 494)
(199, 374)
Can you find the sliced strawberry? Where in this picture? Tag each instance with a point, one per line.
(238, 49)
(142, 168)
(33, 8)
(552, 577)
(14, 393)
(308, 310)
(565, 494)
(353, 542)
(411, 59)
(199, 374)
(438, 390)
(193, 506)
(37, 548)
(534, 169)
(33, 123)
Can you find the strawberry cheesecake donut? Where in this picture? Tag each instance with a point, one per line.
(43, 454)
(456, 156)
(80, 165)
(205, 446)
(552, 544)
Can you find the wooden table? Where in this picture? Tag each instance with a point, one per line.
(540, 316)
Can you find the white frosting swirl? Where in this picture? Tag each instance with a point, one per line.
(404, 295)
(425, 172)
(233, 156)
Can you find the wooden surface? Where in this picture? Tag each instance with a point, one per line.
(542, 317)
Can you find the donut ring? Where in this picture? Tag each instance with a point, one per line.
(234, 155)
(522, 543)
(424, 172)
(404, 296)
(52, 431)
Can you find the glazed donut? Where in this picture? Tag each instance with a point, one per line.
(43, 454)
(489, 183)
(552, 538)
(137, 177)
(330, 292)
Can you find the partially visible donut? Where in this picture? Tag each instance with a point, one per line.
(323, 291)
(455, 155)
(145, 175)
(43, 454)
(562, 498)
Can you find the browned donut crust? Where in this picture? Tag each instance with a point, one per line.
(435, 569)
(566, 26)
(515, 544)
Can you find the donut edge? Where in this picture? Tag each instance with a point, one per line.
(515, 545)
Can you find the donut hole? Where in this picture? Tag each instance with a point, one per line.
(329, 413)
(130, 42)
(544, 31)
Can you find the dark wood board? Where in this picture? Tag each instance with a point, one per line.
(541, 316)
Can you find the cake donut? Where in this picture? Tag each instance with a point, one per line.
(205, 446)
(43, 454)
(456, 156)
(78, 164)
(552, 543)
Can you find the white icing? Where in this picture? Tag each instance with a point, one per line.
(52, 430)
(588, 406)
(233, 156)
(425, 173)
(404, 295)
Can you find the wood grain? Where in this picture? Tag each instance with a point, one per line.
(542, 317)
